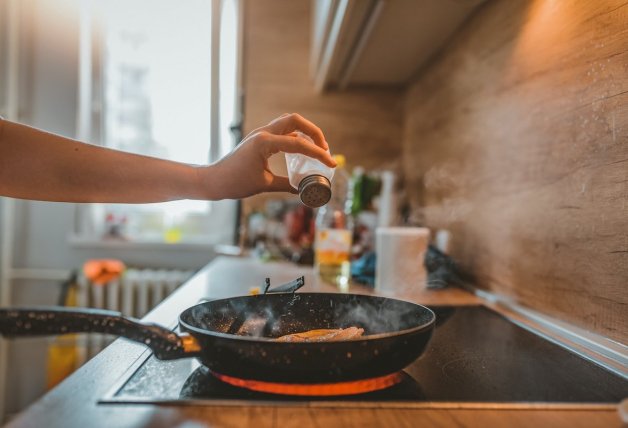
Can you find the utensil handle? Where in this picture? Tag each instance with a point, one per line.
(289, 287)
(21, 322)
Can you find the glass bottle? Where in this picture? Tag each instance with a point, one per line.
(334, 230)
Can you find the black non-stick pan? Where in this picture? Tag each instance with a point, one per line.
(235, 336)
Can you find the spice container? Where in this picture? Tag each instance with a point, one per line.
(310, 177)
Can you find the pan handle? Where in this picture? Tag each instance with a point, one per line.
(165, 344)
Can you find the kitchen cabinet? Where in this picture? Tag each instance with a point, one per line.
(379, 42)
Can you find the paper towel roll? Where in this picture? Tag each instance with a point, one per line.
(400, 259)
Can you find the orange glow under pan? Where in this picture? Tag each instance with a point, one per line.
(315, 389)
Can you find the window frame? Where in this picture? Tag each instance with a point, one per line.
(222, 215)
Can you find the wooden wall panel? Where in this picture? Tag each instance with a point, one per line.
(516, 139)
(365, 125)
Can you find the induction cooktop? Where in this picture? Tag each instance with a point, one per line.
(476, 358)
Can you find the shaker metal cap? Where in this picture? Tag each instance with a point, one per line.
(315, 191)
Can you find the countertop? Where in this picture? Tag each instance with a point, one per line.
(74, 403)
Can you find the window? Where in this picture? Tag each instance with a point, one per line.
(164, 84)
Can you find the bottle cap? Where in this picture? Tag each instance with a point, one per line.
(315, 191)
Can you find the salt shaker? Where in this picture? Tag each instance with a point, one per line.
(310, 177)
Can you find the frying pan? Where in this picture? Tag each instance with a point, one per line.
(234, 336)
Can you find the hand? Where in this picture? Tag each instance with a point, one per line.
(245, 171)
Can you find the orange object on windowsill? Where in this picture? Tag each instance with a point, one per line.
(100, 272)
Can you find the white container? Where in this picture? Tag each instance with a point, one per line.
(310, 177)
(387, 202)
(400, 267)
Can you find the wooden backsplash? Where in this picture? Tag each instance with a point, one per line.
(516, 140)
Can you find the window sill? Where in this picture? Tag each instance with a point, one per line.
(77, 241)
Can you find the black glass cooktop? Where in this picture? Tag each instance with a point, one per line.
(475, 356)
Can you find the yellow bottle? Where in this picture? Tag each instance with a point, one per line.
(334, 231)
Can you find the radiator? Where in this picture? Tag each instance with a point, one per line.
(134, 294)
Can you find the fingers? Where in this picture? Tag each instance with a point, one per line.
(281, 184)
(296, 144)
(291, 122)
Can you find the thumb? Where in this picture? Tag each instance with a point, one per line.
(281, 184)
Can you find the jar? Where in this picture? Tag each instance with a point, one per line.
(310, 177)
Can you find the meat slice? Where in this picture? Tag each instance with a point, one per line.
(323, 335)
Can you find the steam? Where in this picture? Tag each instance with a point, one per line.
(275, 315)
(376, 316)
(441, 201)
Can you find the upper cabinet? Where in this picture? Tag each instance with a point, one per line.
(379, 42)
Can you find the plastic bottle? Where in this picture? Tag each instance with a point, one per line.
(311, 177)
(334, 230)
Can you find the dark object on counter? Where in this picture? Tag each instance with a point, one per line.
(397, 332)
(363, 269)
(305, 256)
(290, 287)
(442, 270)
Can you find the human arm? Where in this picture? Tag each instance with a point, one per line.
(38, 165)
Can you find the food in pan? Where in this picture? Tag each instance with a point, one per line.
(323, 335)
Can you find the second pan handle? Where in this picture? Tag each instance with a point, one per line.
(165, 344)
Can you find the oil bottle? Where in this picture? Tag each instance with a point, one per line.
(334, 231)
